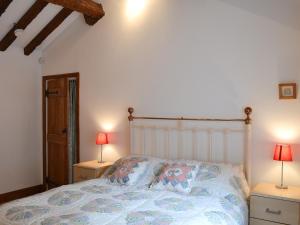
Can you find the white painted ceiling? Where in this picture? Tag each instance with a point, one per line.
(286, 12)
(18, 8)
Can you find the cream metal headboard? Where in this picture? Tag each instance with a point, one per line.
(205, 139)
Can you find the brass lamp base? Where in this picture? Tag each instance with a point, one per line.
(281, 186)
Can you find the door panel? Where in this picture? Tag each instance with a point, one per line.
(56, 166)
(57, 138)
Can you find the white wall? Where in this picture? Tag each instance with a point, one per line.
(20, 154)
(190, 58)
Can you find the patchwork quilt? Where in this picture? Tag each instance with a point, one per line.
(217, 198)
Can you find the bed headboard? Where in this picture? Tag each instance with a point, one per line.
(205, 139)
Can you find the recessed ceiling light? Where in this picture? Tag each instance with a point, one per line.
(19, 32)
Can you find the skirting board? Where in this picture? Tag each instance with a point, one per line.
(10, 196)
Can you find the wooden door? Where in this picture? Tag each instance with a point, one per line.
(57, 133)
(57, 102)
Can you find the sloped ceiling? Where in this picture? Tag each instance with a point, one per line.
(17, 9)
(286, 12)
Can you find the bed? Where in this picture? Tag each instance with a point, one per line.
(218, 194)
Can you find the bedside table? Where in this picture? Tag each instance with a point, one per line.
(272, 206)
(89, 170)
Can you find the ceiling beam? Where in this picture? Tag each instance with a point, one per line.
(90, 20)
(91, 10)
(3, 5)
(25, 20)
(47, 30)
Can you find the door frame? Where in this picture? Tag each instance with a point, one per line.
(44, 111)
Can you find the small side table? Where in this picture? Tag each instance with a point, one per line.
(89, 170)
(272, 206)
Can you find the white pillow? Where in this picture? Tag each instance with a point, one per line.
(232, 175)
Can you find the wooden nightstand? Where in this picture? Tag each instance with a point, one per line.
(89, 170)
(272, 206)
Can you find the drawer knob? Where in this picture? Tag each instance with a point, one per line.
(273, 212)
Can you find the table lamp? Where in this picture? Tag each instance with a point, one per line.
(283, 153)
(101, 140)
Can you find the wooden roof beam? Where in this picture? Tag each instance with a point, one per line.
(91, 10)
(3, 5)
(47, 30)
(25, 20)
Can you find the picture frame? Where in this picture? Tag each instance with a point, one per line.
(288, 91)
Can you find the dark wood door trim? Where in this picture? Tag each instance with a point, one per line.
(44, 80)
(22, 193)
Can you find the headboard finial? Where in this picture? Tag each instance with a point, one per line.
(248, 112)
(130, 110)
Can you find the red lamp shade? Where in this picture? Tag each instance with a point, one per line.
(283, 153)
(101, 139)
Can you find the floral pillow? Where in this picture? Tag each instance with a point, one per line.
(128, 170)
(176, 177)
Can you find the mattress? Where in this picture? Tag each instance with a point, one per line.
(217, 198)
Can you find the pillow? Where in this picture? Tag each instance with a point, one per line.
(176, 177)
(152, 171)
(229, 175)
(127, 171)
(210, 170)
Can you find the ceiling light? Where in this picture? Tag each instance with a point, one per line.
(135, 7)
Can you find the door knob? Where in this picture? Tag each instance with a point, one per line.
(65, 130)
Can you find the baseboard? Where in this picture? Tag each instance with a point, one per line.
(10, 196)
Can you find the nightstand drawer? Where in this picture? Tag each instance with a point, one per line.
(81, 174)
(274, 210)
(262, 222)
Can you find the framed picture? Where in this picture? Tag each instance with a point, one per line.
(288, 91)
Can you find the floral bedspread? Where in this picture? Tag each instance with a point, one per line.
(214, 200)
